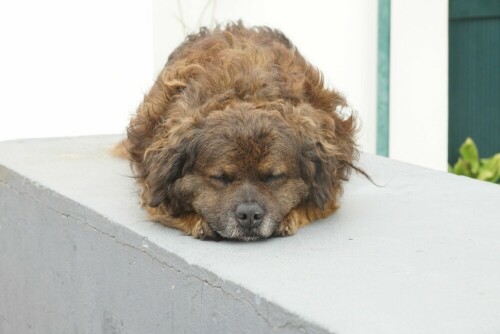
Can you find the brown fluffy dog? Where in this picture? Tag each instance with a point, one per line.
(238, 138)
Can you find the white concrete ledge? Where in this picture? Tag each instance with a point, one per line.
(420, 255)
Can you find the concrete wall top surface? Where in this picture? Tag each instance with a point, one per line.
(419, 254)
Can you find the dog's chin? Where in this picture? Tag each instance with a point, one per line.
(232, 231)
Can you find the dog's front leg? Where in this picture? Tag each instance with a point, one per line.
(303, 215)
(190, 223)
(296, 218)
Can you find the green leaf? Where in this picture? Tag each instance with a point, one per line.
(490, 169)
(485, 174)
(461, 168)
(469, 153)
(469, 164)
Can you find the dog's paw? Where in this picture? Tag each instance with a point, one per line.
(291, 223)
(201, 230)
(286, 230)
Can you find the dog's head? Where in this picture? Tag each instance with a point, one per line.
(243, 169)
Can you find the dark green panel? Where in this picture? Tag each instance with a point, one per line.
(462, 9)
(474, 85)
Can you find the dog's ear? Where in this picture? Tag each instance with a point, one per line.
(327, 156)
(318, 170)
(174, 164)
(168, 165)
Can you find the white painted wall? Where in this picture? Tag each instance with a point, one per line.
(72, 67)
(339, 37)
(81, 67)
(419, 82)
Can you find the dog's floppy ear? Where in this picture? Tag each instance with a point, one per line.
(166, 166)
(173, 165)
(318, 171)
(327, 156)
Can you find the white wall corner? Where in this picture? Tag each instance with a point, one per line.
(419, 82)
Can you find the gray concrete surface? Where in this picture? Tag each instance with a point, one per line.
(420, 255)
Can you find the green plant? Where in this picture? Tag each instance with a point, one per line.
(469, 164)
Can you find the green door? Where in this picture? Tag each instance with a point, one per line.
(474, 75)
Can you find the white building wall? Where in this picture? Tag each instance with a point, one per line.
(419, 82)
(71, 67)
(81, 67)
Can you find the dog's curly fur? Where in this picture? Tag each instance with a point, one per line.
(251, 89)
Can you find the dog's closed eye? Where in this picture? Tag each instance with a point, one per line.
(221, 179)
(270, 178)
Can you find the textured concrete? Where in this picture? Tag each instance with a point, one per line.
(419, 255)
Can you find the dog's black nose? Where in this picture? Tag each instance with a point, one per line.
(249, 215)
